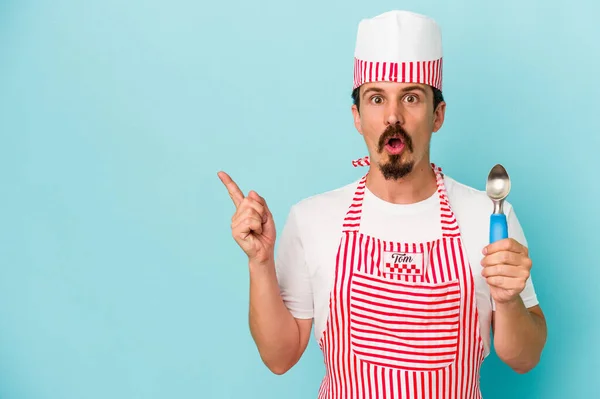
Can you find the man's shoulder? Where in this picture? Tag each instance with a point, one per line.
(323, 203)
(469, 198)
(470, 203)
(463, 191)
(322, 214)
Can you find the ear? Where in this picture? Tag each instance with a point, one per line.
(438, 116)
(356, 116)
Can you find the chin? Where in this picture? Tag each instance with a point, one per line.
(395, 168)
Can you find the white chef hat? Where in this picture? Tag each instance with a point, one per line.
(398, 46)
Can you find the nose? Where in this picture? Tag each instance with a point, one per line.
(393, 115)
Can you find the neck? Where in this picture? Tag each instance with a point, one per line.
(417, 186)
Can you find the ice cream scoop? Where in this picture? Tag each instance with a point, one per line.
(497, 189)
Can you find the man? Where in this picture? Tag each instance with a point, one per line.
(394, 269)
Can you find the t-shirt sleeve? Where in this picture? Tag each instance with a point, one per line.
(515, 231)
(292, 272)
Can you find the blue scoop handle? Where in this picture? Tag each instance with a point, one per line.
(498, 227)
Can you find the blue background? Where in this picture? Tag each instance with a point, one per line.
(118, 275)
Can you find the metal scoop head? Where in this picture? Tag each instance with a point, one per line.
(498, 186)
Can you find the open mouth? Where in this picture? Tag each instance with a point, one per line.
(394, 145)
(394, 142)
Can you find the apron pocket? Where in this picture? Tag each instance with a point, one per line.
(408, 326)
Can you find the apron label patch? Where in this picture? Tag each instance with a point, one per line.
(403, 263)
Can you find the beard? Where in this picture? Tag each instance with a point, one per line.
(395, 168)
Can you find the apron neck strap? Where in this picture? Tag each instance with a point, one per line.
(448, 220)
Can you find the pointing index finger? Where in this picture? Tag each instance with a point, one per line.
(234, 191)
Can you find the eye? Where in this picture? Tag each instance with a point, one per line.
(377, 99)
(411, 98)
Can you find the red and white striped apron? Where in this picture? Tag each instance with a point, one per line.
(403, 321)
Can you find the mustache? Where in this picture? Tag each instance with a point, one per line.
(395, 131)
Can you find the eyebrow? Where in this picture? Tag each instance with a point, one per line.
(372, 89)
(408, 88)
(411, 88)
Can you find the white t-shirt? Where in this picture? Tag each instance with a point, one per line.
(306, 251)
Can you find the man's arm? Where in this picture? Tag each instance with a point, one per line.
(280, 338)
(518, 323)
(281, 301)
(519, 334)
